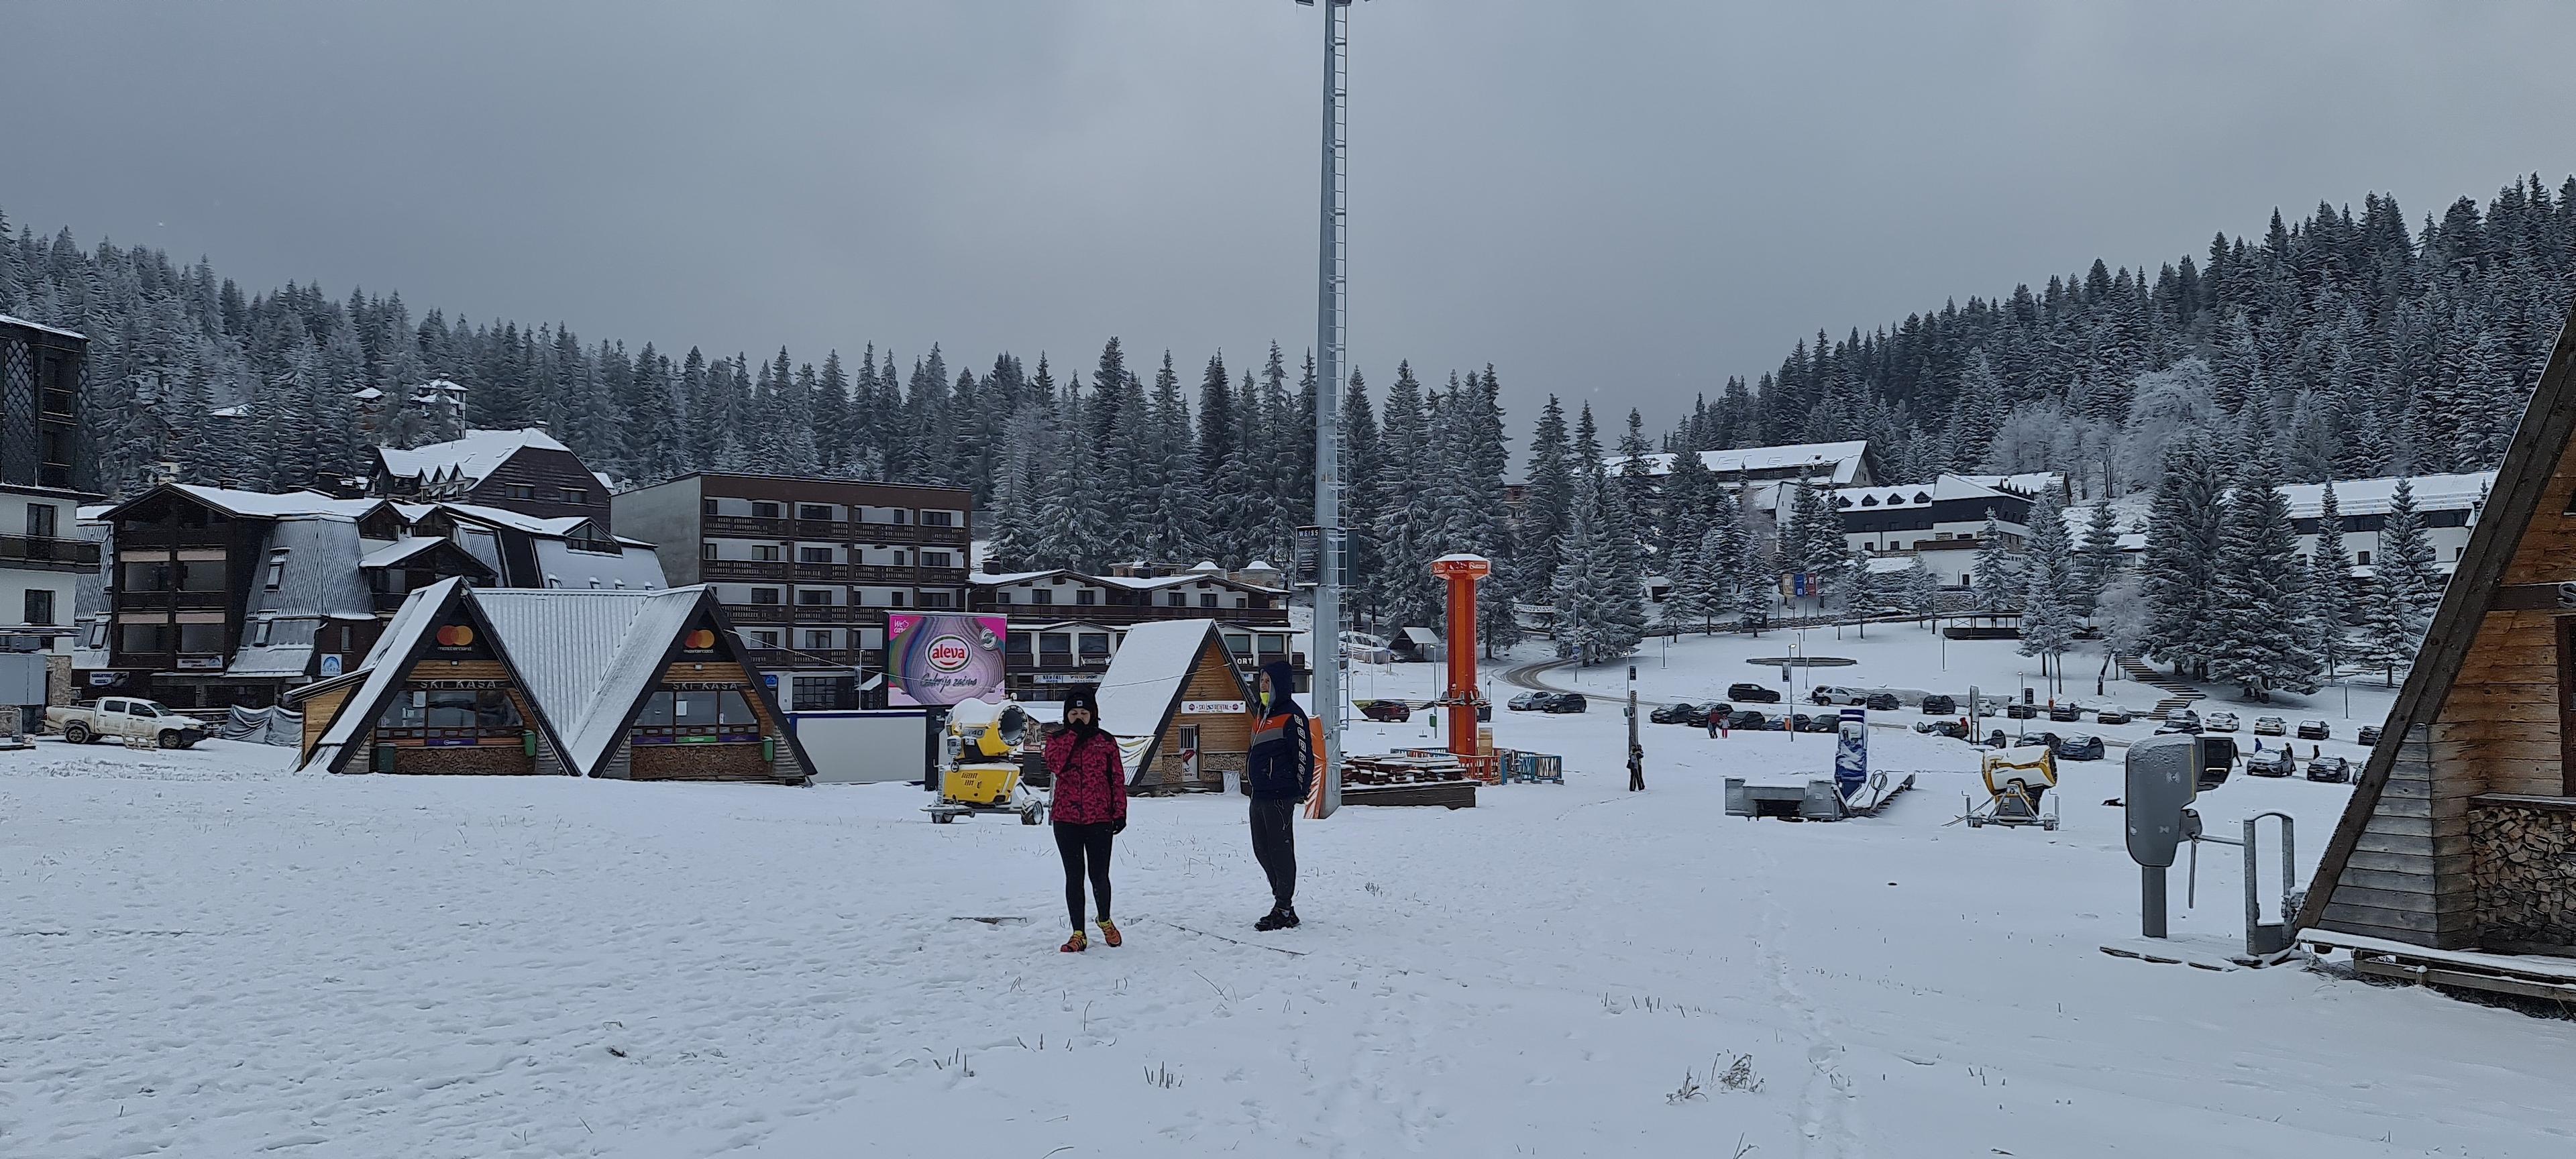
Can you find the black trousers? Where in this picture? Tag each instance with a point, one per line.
(1084, 848)
(1274, 844)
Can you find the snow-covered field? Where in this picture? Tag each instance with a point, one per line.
(209, 956)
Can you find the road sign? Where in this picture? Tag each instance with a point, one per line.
(330, 666)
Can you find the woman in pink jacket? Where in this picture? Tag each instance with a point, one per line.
(1090, 808)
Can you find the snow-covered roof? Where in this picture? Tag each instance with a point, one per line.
(1015, 577)
(15, 321)
(1260, 565)
(366, 394)
(2372, 496)
(1941, 488)
(1207, 565)
(633, 567)
(586, 657)
(399, 550)
(402, 634)
(1840, 462)
(1152, 665)
(470, 458)
(2029, 483)
(263, 505)
(554, 526)
(234, 411)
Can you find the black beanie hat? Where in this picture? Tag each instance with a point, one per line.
(1083, 697)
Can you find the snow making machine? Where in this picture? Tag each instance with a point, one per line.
(982, 773)
(2017, 783)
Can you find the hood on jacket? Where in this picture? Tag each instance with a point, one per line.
(1283, 681)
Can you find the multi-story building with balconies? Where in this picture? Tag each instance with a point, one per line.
(43, 480)
(808, 568)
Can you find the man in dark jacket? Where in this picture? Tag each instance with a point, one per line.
(1280, 767)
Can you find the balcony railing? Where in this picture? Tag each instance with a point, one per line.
(1129, 613)
(185, 599)
(829, 531)
(47, 549)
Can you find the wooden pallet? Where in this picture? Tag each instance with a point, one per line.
(2527, 975)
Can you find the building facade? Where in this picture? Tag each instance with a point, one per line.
(526, 471)
(1067, 626)
(43, 481)
(807, 569)
(1942, 522)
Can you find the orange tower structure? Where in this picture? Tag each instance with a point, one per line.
(1461, 697)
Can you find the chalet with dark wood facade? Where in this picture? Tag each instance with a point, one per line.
(43, 480)
(525, 471)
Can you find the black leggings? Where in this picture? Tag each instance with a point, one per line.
(1274, 845)
(1078, 844)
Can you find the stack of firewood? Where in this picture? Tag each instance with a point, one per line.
(1401, 769)
(2525, 873)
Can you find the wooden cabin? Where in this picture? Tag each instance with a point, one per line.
(2461, 834)
(631, 685)
(1175, 684)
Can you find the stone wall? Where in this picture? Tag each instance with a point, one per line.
(2524, 867)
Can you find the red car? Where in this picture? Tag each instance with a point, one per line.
(1394, 711)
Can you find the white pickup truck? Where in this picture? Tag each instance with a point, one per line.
(121, 716)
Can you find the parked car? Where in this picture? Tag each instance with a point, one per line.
(2369, 735)
(2079, 748)
(2180, 720)
(2113, 715)
(2331, 770)
(2315, 730)
(1997, 740)
(1939, 705)
(1753, 693)
(1746, 719)
(2019, 711)
(1821, 722)
(1838, 694)
(1387, 710)
(2271, 726)
(1883, 702)
(2272, 763)
(1565, 702)
(2065, 713)
(2220, 722)
(1949, 728)
(121, 716)
(1523, 702)
(1682, 713)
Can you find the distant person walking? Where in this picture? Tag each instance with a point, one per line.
(1089, 809)
(1636, 767)
(1282, 771)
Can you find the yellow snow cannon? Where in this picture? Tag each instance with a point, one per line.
(983, 773)
(2017, 781)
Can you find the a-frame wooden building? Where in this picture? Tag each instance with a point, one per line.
(2462, 832)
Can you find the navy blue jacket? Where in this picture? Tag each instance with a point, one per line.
(1281, 764)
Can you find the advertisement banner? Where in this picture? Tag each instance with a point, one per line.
(943, 658)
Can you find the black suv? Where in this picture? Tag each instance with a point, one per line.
(1939, 705)
(1753, 693)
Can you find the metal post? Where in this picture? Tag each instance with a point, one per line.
(2151, 900)
(1632, 724)
(1331, 302)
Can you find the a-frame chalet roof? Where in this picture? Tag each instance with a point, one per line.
(385, 668)
(589, 658)
(2535, 490)
(1141, 690)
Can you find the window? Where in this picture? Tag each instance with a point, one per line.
(937, 600)
(707, 507)
(577, 496)
(1095, 647)
(938, 559)
(765, 638)
(1085, 597)
(1015, 650)
(765, 552)
(813, 555)
(594, 583)
(40, 606)
(98, 634)
(902, 516)
(764, 511)
(706, 551)
(934, 518)
(1175, 600)
(894, 599)
(814, 597)
(2364, 557)
(764, 595)
(519, 490)
(259, 635)
(813, 511)
(201, 639)
(1041, 596)
(1207, 599)
(1002, 597)
(818, 639)
(276, 569)
(40, 520)
(1055, 649)
(148, 638)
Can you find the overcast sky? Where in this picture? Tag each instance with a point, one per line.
(1616, 200)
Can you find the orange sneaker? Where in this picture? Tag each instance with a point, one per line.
(1109, 933)
(1074, 944)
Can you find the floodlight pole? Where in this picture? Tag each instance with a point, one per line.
(1332, 251)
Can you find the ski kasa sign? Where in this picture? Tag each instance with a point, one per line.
(943, 659)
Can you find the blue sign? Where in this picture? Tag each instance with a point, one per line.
(330, 666)
(770, 679)
(1798, 583)
(1851, 753)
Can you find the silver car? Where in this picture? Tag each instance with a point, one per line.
(2219, 722)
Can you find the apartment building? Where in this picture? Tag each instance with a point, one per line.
(42, 555)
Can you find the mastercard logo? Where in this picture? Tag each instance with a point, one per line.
(455, 636)
(699, 640)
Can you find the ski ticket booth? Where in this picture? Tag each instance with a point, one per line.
(1174, 696)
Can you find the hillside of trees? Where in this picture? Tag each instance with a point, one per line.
(2343, 345)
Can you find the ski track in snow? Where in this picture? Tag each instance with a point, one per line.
(213, 957)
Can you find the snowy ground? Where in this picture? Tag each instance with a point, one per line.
(213, 957)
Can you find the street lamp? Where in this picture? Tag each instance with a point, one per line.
(1331, 306)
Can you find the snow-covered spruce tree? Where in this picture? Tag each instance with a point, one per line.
(1757, 586)
(1583, 583)
(1686, 599)
(1624, 618)
(2047, 615)
(2097, 559)
(2180, 566)
(2392, 627)
(2050, 546)
(1922, 590)
(2330, 586)
(1703, 587)
(1997, 581)
(2405, 554)
(1546, 504)
(2262, 640)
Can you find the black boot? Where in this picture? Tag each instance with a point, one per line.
(1287, 915)
(1269, 921)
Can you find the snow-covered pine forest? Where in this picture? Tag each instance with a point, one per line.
(2340, 346)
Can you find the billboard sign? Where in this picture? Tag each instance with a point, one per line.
(940, 659)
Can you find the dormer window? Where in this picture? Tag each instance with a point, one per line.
(1869, 500)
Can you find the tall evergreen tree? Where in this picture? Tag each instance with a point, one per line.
(2179, 570)
(2330, 586)
(2261, 637)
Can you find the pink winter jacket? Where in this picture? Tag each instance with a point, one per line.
(1090, 779)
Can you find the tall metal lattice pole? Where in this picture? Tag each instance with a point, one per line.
(1331, 306)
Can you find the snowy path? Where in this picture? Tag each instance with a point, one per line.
(217, 959)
